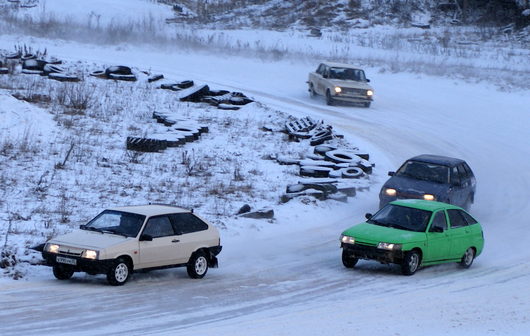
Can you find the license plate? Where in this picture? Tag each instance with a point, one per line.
(68, 261)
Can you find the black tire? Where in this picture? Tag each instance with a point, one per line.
(118, 70)
(99, 74)
(367, 104)
(352, 172)
(467, 258)
(196, 95)
(119, 273)
(63, 78)
(155, 78)
(185, 84)
(197, 265)
(348, 261)
(329, 100)
(63, 272)
(411, 262)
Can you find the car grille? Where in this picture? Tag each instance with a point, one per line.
(72, 251)
(402, 195)
(355, 92)
(364, 243)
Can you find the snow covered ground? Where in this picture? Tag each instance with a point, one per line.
(286, 278)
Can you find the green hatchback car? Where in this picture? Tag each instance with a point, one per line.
(414, 233)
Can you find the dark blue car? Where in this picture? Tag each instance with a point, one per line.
(433, 178)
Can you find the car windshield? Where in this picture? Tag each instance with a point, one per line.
(401, 217)
(347, 74)
(116, 222)
(425, 171)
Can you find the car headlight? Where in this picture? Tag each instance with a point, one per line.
(429, 197)
(52, 248)
(390, 191)
(90, 254)
(347, 239)
(338, 89)
(389, 246)
(369, 93)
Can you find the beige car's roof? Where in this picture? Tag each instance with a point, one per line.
(340, 65)
(151, 209)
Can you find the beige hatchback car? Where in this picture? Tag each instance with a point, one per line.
(340, 83)
(121, 240)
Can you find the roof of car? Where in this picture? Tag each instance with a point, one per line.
(151, 209)
(438, 159)
(424, 205)
(339, 65)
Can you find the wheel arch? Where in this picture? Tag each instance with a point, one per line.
(128, 259)
(212, 259)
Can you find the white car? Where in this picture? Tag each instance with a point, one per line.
(340, 83)
(121, 240)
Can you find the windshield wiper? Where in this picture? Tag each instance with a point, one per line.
(400, 227)
(90, 228)
(373, 221)
(114, 231)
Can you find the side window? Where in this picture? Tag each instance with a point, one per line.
(462, 172)
(468, 170)
(159, 226)
(320, 69)
(455, 178)
(187, 223)
(456, 218)
(325, 71)
(469, 219)
(439, 221)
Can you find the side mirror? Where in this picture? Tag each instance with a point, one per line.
(325, 76)
(391, 173)
(146, 237)
(368, 216)
(367, 80)
(82, 226)
(437, 229)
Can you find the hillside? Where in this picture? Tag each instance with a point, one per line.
(351, 13)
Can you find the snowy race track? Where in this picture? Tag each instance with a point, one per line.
(288, 279)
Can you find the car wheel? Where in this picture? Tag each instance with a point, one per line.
(329, 100)
(62, 272)
(197, 266)
(348, 261)
(367, 104)
(119, 273)
(410, 263)
(467, 259)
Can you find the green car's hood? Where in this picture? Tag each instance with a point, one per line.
(373, 234)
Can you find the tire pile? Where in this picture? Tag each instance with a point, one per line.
(116, 72)
(33, 64)
(179, 132)
(222, 99)
(330, 171)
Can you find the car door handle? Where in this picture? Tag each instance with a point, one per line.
(175, 241)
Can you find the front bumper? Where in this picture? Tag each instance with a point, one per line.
(372, 253)
(89, 266)
(352, 99)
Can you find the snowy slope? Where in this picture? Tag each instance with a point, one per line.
(286, 278)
